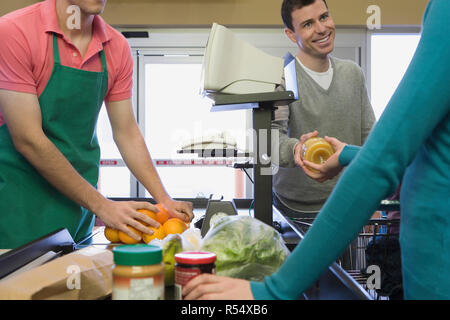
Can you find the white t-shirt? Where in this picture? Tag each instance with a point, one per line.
(323, 79)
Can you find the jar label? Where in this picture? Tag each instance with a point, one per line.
(182, 276)
(150, 288)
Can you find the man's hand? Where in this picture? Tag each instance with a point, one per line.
(179, 209)
(120, 214)
(330, 168)
(212, 287)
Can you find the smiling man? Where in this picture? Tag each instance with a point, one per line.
(333, 101)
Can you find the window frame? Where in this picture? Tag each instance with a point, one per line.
(406, 30)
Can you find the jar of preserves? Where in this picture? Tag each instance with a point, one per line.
(138, 273)
(317, 150)
(190, 264)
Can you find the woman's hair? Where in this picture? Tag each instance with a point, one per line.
(290, 5)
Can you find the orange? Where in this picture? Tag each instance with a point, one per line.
(112, 234)
(158, 233)
(126, 238)
(174, 225)
(148, 213)
(163, 215)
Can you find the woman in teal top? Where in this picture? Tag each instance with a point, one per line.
(410, 143)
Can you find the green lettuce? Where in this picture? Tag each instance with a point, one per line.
(246, 248)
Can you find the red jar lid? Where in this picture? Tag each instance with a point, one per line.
(195, 257)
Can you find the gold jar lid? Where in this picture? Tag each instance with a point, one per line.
(317, 150)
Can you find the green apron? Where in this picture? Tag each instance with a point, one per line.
(29, 206)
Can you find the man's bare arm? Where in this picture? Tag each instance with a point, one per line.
(135, 153)
(22, 114)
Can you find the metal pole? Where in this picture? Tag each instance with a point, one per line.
(262, 189)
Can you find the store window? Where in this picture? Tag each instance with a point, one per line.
(175, 113)
(390, 56)
(114, 176)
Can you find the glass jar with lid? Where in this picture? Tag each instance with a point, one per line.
(138, 273)
(317, 150)
(190, 264)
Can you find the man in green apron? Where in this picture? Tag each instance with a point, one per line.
(49, 153)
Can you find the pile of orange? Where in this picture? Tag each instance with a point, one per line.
(167, 226)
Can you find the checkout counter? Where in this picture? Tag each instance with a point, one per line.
(335, 283)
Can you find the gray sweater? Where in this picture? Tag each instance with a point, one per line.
(343, 111)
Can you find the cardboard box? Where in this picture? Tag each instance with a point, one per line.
(84, 274)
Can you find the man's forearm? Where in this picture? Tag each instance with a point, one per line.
(132, 147)
(137, 158)
(286, 146)
(23, 117)
(46, 158)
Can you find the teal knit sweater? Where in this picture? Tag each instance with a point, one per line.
(410, 143)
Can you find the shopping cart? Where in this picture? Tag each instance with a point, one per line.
(376, 245)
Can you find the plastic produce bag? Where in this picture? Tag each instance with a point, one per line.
(191, 239)
(246, 248)
(170, 245)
